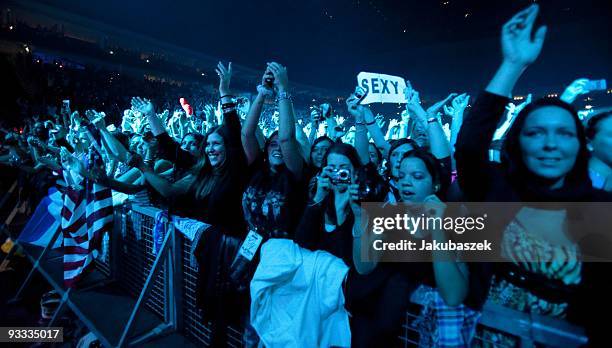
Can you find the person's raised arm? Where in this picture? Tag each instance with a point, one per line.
(146, 108)
(114, 146)
(456, 112)
(472, 148)
(286, 129)
(316, 116)
(167, 189)
(375, 131)
(302, 139)
(361, 132)
(249, 128)
(519, 50)
(231, 119)
(438, 143)
(575, 89)
(168, 148)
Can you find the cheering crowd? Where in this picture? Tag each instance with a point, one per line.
(256, 169)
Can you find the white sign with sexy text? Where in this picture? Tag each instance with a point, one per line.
(381, 88)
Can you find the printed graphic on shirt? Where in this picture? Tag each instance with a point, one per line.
(266, 212)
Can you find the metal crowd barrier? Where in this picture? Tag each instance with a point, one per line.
(137, 258)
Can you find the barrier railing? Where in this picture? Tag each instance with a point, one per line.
(170, 292)
(527, 329)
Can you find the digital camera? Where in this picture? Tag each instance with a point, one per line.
(341, 176)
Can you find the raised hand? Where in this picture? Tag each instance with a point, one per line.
(164, 116)
(575, 89)
(380, 120)
(461, 102)
(281, 79)
(315, 114)
(449, 111)
(432, 111)
(326, 110)
(411, 95)
(99, 122)
(143, 105)
(354, 108)
(518, 47)
(522, 105)
(393, 123)
(413, 102)
(225, 76)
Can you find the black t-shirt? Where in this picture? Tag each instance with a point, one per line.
(272, 201)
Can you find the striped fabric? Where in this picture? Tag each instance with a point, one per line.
(86, 215)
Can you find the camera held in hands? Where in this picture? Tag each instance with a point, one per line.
(340, 176)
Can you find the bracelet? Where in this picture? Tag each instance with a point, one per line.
(283, 95)
(228, 107)
(227, 95)
(359, 124)
(432, 120)
(370, 123)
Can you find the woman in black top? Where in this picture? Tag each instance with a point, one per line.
(212, 195)
(274, 195)
(327, 224)
(544, 159)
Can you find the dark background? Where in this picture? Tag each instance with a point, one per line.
(439, 45)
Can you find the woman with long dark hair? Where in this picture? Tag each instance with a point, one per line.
(212, 194)
(544, 159)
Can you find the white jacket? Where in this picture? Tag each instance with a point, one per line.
(297, 299)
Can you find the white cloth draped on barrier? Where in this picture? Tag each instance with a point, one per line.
(297, 298)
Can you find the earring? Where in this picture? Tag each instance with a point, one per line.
(590, 147)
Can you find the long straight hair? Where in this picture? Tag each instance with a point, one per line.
(524, 180)
(209, 177)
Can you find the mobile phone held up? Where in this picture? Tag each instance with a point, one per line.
(360, 94)
(596, 85)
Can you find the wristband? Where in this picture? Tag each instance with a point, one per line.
(227, 95)
(359, 124)
(370, 123)
(432, 120)
(282, 96)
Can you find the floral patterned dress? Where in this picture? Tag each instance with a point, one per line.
(535, 255)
